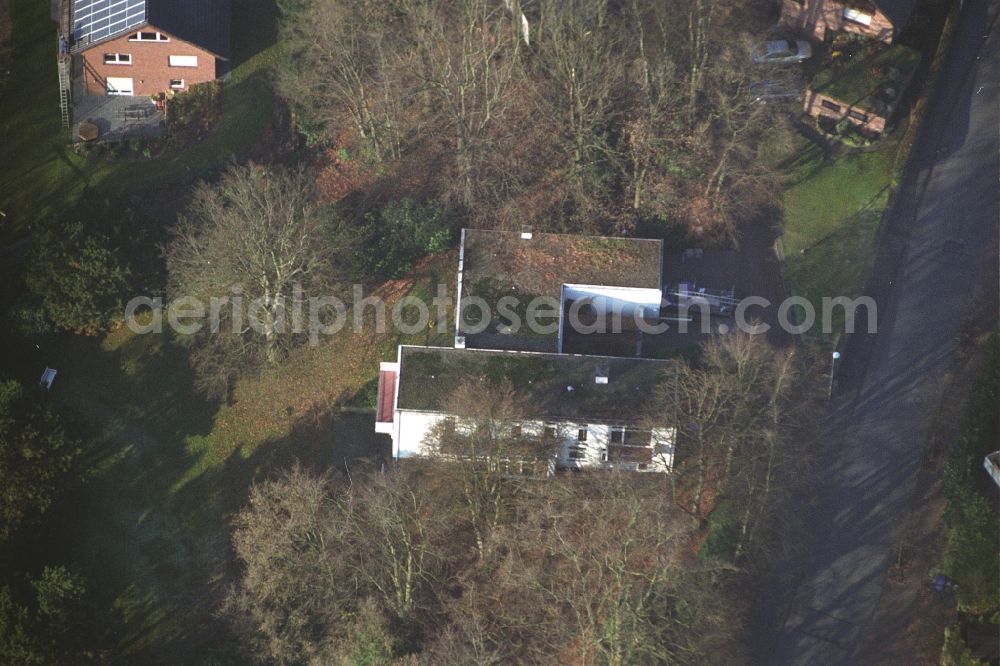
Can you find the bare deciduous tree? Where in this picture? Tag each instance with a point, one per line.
(394, 531)
(486, 449)
(737, 410)
(250, 242)
(470, 51)
(317, 555)
(344, 58)
(615, 113)
(594, 572)
(581, 65)
(283, 603)
(698, 402)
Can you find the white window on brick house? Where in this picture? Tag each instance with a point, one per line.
(119, 85)
(857, 16)
(177, 84)
(117, 58)
(149, 37)
(183, 61)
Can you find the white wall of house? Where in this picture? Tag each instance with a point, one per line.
(611, 300)
(616, 308)
(411, 429)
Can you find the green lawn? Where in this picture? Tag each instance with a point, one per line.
(150, 528)
(831, 215)
(39, 172)
(166, 470)
(862, 71)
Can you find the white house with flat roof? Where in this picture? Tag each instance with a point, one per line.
(588, 410)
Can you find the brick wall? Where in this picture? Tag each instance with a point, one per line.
(814, 106)
(150, 70)
(814, 17)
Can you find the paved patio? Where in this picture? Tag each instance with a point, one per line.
(119, 118)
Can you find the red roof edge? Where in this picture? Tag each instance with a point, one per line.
(386, 396)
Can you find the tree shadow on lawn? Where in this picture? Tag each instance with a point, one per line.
(133, 400)
(807, 160)
(320, 441)
(151, 526)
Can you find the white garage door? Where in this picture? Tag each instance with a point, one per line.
(119, 86)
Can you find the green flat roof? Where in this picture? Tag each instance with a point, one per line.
(539, 266)
(560, 386)
(499, 263)
(867, 74)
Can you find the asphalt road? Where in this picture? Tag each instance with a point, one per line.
(941, 236)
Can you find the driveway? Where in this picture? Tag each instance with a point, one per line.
(942, 234)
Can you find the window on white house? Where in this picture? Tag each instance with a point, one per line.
(617, 435)
(183, 61)
(857, 16)
(581, 435)
(515, 431)
(576, 453)
(149, 37)
(117, 58)
(550, 432)
(177, 84)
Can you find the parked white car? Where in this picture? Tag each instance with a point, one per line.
(781, 52)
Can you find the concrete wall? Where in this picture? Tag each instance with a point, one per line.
(616, 308)
(622, 300)
(150, 70)
(813, 18)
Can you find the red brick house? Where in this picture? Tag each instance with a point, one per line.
(146, 47)
(821, 19)
(863, 84)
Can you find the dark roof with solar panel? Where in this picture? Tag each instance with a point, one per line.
(204, 23)
(97, 20)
